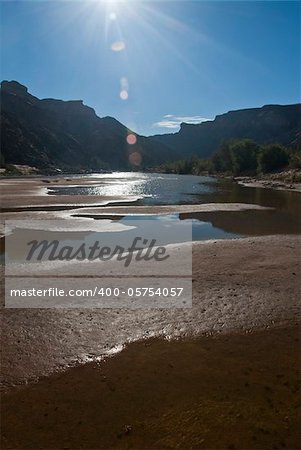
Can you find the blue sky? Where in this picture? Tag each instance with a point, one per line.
(152, 65)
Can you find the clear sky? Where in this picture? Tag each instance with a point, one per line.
(154, 64)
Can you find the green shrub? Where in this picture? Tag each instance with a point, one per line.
(244, 157)
(272, 157)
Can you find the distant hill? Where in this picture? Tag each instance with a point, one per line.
(68, 135)
(269, 124)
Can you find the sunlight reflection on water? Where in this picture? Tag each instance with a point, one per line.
(152, 188)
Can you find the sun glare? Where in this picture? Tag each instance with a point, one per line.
(135, 32)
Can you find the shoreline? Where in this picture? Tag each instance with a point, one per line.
(283, 181)
(267, 184)
(26, 199)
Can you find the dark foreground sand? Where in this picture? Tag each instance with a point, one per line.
(231, 392)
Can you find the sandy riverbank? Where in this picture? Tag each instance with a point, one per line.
(284, 181)
(22, 193)
(229, 392)
(238, 285)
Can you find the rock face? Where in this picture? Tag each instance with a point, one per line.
(67, 135)
(15, 88)
(269, 124)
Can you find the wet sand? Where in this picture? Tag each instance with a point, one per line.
(231, 392)
(238, 285)
(26, 193)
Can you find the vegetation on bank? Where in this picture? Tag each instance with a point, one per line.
(240, 157)
(233, 158)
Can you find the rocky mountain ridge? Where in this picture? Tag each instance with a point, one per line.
(269, 124)
(68, 135)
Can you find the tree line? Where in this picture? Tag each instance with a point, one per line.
(240, 157)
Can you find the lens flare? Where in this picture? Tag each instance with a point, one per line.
(118, 46)
(124, 83)
(135, 158)
(124, 95)
(131, 139)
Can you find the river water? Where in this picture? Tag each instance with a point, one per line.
(151, 189)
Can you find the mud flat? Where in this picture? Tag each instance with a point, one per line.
(239, 285)
(22, 193)
(227, 377)
(229, 392)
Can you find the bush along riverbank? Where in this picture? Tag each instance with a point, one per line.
(244, 158)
